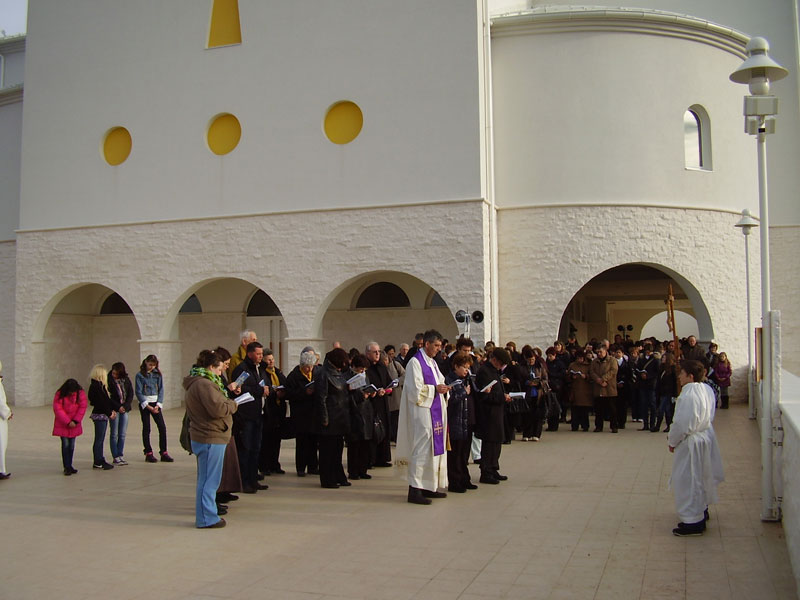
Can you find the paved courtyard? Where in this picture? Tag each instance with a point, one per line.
(583, 515)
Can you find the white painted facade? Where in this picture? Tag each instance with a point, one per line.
(477, 156)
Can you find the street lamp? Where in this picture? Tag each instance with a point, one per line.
(746, 223)
(760, 109)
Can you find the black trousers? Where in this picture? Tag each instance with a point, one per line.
(580, 417)
(269, 457)
(394, 417)
(248, 445)
(622, 410)
(532, 420)
(331, 470)
(357, 457)
(490, 458)
(162, 430)
(457, 461)
(305, 452)
(605, 408)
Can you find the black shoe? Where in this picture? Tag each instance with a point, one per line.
(231, 498)
(224, 497)
(301, 473)
(279, 471)
(689, 529)
(261, 476)
(330, 486)
(456, 490)
(150, 458)
(67, 472)
(365, 476)
(219, 524)
(261, 486)
(415, 496)
(248, 489)
(489, 480)
(501, 477)
(385, 464)
(345, 483)
(103, 465)
(4, 476)
(353, 477)
(430, 494)
(222, 511)
(471, 486)
(222, 506)
(166, 457)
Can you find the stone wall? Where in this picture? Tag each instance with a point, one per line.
(784, 249)
(8, 277)
(547, 254)
(302, 261)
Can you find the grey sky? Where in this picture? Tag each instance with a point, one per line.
(13, 16)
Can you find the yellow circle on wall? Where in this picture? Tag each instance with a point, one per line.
(343, 122)
(224, 134)
(117, 146)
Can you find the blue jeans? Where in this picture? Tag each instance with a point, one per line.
(99, 437)
(67, 450)
(117, 437)
(647, 407)
(665, 409)
(209, 472)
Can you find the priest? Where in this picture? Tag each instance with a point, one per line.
(422, 427)
(697, 468)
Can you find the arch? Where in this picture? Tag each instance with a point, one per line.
(225, 302)
(656, 327)
(419, 292)
(73, 334)
(636, 271)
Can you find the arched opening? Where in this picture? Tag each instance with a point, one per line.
(623, 300)
(386, 306)
(213, 313)
(89, 324)
(657, 327)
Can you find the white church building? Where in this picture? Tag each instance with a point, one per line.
(342, 170)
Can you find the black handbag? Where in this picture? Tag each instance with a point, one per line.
(519, 405)
(378, 430)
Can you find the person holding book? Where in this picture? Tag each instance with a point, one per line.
(581, 396)
(210, 413)
(461, 421)
(362, 419)
(332, 417)
(300, 384)
(277, 424)
(491, 399)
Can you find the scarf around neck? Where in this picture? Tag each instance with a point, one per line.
(205, 373)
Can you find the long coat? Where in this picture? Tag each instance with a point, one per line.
(489, 424)
(300, 396)
(581, 389)
(606, 370)
(71, 408)
(331, 402)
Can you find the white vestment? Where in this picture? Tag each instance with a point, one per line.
(415, 428)
(697, 468)
(5, 412)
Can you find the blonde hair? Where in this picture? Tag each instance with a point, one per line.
(99, 373)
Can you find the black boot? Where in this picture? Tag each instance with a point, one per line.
(725, 402)
(415, 496)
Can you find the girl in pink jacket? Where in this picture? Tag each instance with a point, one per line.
(69, 406)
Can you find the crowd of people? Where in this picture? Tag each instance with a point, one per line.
(442, 404)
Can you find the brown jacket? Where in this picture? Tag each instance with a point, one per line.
(581, 390)
(605, 370)
(210, 411)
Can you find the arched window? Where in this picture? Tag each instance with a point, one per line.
(697, 138)
(383, 295)
(261, 305)
(115, 305)
(192, 305)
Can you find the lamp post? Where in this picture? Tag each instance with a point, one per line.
(746, 223)
(760, 109)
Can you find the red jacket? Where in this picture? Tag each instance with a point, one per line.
(71, 408)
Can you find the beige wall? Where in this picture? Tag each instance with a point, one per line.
(784, 245)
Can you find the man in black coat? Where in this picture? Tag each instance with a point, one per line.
(491, 413)
(276, 425)
(378, 375)
(247, 423)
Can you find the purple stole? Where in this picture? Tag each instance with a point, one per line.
(437, 422)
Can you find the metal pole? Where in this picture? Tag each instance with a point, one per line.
(768, 508)
(750, 400)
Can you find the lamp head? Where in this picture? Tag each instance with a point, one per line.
(759, 69)
(747, 222)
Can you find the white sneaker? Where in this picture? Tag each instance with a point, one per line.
(535, 439)
(120, 461)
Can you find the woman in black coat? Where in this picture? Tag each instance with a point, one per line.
(300, 384)
(102, 413)
(362, 419)
(460, 423)
(332, 417)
